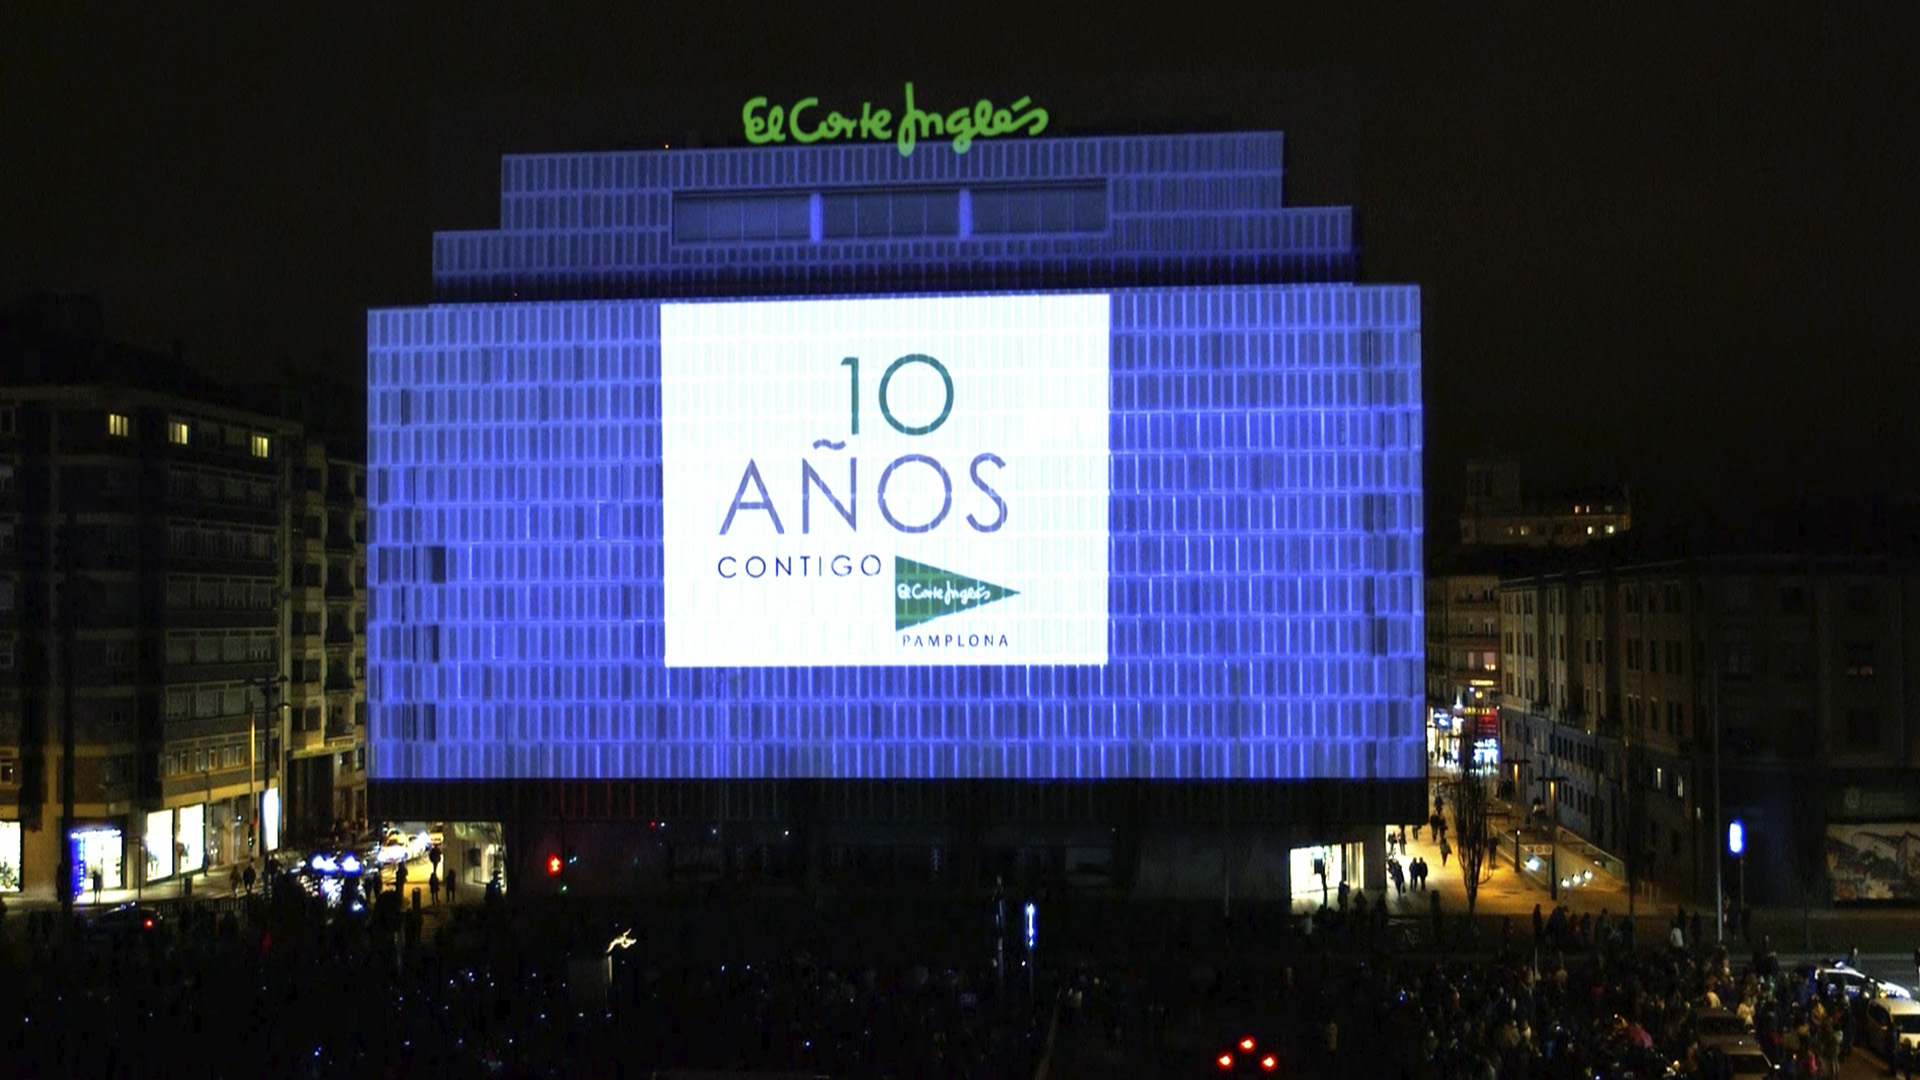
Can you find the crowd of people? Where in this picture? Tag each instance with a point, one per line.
(281, 984)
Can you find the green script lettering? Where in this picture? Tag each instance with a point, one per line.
(766, 123)
(875, 123)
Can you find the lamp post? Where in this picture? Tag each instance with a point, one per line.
(1737, 847)
(267, 687)
(1517, 765)
(1552, 784)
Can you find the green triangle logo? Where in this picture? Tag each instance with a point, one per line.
(922, 593)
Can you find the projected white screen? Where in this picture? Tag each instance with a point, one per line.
(918, 481)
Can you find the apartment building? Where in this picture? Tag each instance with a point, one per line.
(1498, 514)
(1676, 696)
(146, 661)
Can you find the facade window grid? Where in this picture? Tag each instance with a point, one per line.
(518, 733)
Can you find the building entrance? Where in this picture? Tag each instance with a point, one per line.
(100, 850)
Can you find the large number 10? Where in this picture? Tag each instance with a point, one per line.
(852, 364)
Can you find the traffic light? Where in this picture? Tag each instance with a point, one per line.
(554, 866)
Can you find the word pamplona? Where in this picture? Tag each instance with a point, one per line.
(803, 122)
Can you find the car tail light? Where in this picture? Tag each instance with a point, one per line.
(1225, 1061)
(147, 924)
(1268, 1064)
(1246, 1044)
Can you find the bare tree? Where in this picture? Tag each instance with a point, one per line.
(1472, 798)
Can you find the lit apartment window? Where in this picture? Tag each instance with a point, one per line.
(119, 424)
(1609, 530)
(177, 432)
(262, 446)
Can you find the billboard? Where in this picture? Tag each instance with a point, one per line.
(1874, 862)
(1158, 533)
(889, 481)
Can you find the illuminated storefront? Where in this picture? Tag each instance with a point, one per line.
(158, 843)
(9, 857)
(100, 850)
(1318, 869)
(270, 820)
(190, 838)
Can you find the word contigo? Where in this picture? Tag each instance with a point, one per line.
(774, 124)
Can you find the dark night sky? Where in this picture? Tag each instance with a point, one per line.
(1671, 250)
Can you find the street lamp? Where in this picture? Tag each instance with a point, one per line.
(1737, 847)
(1552, 784)
(267, 687)
(1516, 765)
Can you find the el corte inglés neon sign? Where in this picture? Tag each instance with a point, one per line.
(802, 123)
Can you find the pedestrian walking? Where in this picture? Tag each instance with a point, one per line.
(1446, 849)
(447, 885)
(247, 878)
(433, 886)
(96, 884)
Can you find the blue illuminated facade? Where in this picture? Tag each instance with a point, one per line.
(1264, 489)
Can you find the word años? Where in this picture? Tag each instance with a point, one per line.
(773, 124)
(811, 480)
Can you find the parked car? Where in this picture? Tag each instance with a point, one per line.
(1720, 1027)
(1891, 1022)
(1735, 1061)
(1835, 975)
(1246, 1056)
(125, 920)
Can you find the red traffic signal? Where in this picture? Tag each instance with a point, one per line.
(553, 866)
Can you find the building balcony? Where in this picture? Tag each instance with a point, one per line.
(195, 672)
(239, 565)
